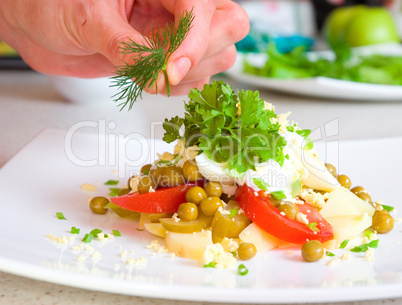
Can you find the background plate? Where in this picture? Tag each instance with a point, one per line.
(41, 180)
(322, 86)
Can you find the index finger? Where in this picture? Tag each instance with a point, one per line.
(193, 48)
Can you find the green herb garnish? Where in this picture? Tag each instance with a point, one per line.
(88, 238)
(213, 124)
(261, 184)
(60, 216)
(303, 132)
(368, 233)
(233, 212)
(116, 233)
(278, 195)
(75, 230)
(329, 253)
(138, 229)
(114, 191)
(296, 188)
(388, 208)
(344, 244)
(149, 60)
(376, 69)
(95, 232)
(163, 163)
(364, 247)
(112, 182)
(242, 270)
(146, 171)
(309, 145)
(313, 226)
(210, 265)
(374, 243)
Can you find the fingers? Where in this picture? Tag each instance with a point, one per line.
(228, 25)
(45, 61)
(104, 17)
(213, 65)
(195, 45)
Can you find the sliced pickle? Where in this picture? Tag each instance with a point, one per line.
(201, 223)
(123, 212)
(154, 218)
(224, 225)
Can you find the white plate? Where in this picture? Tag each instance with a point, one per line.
(41, 180)
(322, 86)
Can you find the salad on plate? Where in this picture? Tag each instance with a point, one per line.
(244, 180)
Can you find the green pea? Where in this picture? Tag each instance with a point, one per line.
(312, 251)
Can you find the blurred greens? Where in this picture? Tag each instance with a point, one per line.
(375, 69)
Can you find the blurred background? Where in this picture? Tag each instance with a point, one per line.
(285, 31)
(302, 22)
(288, 23)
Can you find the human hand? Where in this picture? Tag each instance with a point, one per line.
(82, 37)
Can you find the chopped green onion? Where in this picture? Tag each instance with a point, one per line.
(233, 212)
(95, 232)
(261, 184)
(138, 229)
(364, 247)
(374, 243)
(112, 182)
(210, 265)
(344, 244)
(303, 132)
(242, 270)
(309, 144)
(146, 171)
(162, 163)
(177, 159)
(114, 191)
(329, 253)
(60, 215)
(368, 233)
(116, 233)
(88, 238)
(234, 253)
(361, 248)
(313, 226)
(278, 195)
(296, 188)
(75, 230)
(388, 208)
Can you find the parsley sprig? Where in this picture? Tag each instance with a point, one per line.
(213, 121)
(148, 60)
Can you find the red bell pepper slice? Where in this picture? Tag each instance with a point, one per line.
(163, 200)
(268, 217)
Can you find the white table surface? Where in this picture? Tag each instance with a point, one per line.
(29, 104)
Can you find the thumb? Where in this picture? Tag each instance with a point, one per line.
(105, 32)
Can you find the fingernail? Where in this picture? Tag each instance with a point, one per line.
(179, 69)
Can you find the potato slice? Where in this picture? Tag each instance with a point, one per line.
(349, 227)
(188, 245)
(261, 239)
(342, 202)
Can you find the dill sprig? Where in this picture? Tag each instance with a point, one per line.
(148, 60)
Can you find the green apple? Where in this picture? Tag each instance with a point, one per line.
(358, 26)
